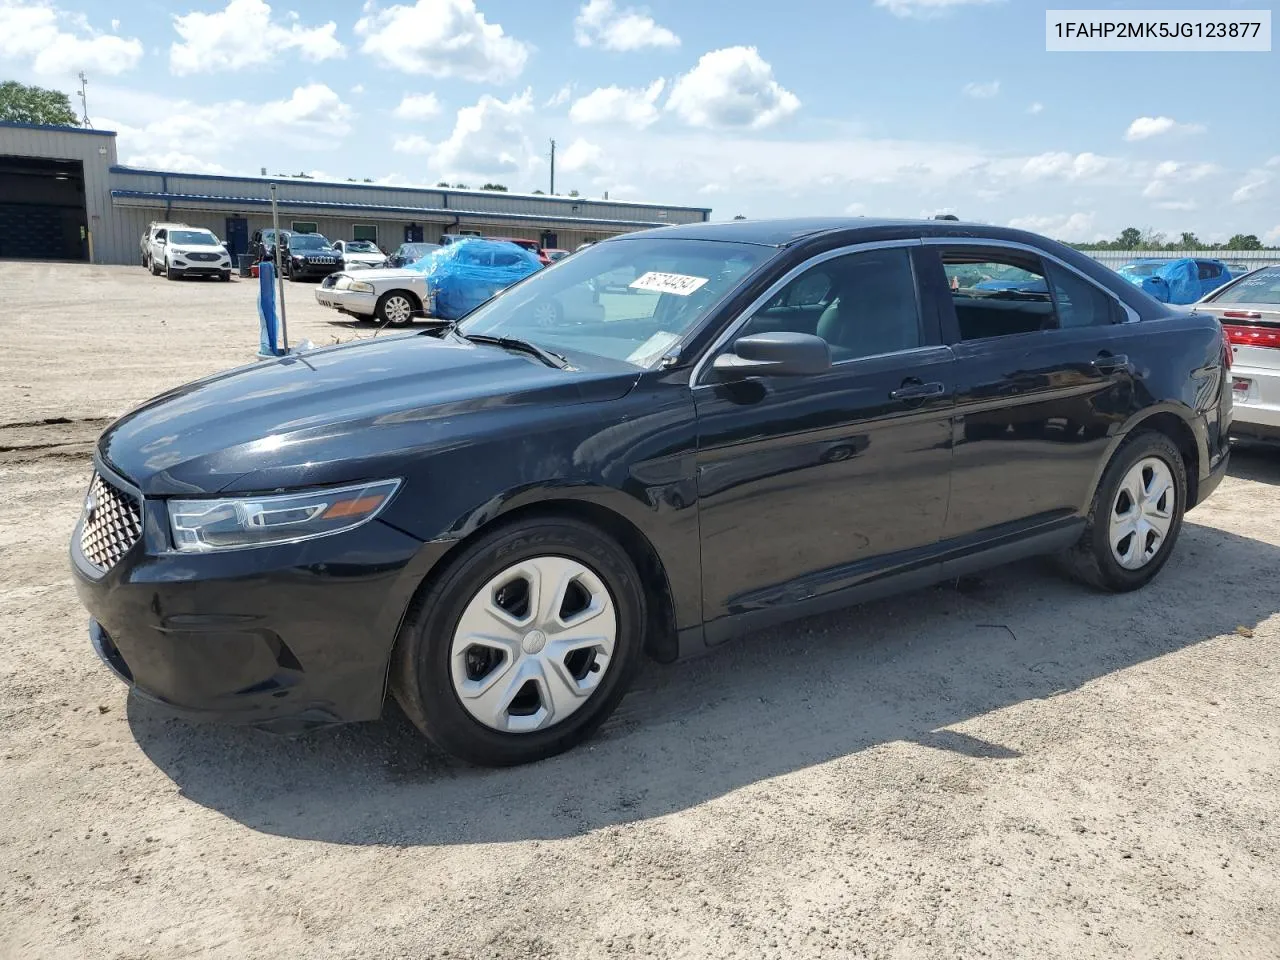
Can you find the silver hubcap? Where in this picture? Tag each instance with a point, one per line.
(544, 314)
(1142, 513)
(398, 310)
(533, 644)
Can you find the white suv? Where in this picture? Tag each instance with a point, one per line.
(179, 252)
(359, 254)
(153, 228)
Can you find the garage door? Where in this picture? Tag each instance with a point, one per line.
(42, 210)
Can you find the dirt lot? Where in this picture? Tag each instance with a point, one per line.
(1008, 767)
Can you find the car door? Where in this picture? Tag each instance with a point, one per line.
(812, 485)
(1044, 376)
(158, 242)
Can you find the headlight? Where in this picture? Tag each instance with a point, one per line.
(342, 282)
(205, 526)
(177, 252)
(361, 286)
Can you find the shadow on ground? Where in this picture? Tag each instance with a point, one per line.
(827, 687)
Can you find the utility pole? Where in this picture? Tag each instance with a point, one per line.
(553, 168)
(84, 104)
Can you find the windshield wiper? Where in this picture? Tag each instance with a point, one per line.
(550, 358)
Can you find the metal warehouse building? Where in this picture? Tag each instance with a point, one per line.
(63, 196)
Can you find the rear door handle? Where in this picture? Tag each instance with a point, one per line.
(917, 391)
(1109, 363)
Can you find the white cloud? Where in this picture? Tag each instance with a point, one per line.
(417, 106)
(54, 42)
(636, 108)
(982, 91)
(358, 89)
(173, 160)
(925, 9)
(1272, 237)
(1169, 175)
(1035, 108)
(1177, 205)
(1252, 189)
(733, 87)
(1066, 166)
(600, 23)
(412, 144)
(855, 208)
(243, 35)
(442, 38)
(560, 97)
(488, 140)
(1073, 228)
(190, 136)
(1143, 128)
(585, 157)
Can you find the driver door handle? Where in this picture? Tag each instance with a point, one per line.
(1109, 363)
(917, 391)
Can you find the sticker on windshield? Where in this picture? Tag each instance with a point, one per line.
(653, 348)
(678, 283)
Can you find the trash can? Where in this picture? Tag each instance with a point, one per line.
(246, 264)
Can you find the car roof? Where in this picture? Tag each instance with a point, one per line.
(782, 233)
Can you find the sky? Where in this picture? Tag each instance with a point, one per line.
(764, 109)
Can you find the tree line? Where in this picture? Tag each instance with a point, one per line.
(1131, 238)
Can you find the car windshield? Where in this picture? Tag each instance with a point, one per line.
(1140, 269)
(308, 241)
(630, 300)
(1262, 287)
(199, 237)
(360, 246)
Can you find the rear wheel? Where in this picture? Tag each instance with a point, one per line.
(524, 645)
(547, 313)
(1136, 515)
(153, 267)
(395, 309)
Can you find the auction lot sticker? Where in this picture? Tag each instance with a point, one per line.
(678, 283)
(1158, 31)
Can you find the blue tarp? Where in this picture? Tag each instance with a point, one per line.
(468, 272)
(268, 322)
(1175, 281)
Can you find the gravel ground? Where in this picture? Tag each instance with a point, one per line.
(1010, 766)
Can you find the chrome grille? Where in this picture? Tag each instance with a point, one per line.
(204, 257)
(112, 523)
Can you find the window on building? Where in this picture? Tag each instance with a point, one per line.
(304, 226)
(365, 231)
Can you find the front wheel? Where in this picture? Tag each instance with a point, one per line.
(172, 274)
(395, 309)
(1136, 515)
(525, 644)
(225, 276)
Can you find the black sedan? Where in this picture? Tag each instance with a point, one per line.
(309, 256)
(498, 519)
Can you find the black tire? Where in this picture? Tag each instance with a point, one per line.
(420, 674)
(225, 276)
(1091, 560)
(154, 268)
(385, 301)
(172, 274)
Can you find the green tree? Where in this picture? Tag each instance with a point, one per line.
(573, 193)
(443, 183)
(739, 217)
(1189, 241)
(1129, 239)
(497, 187)
(20, 103)
(1244, 241)
(540, 193)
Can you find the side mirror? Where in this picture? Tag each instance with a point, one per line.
(774, 354)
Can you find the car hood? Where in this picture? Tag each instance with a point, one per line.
(389, 273)
(340, 414)
(368, 257)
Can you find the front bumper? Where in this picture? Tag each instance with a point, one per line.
(202, 268)
(307, 270)
(286, 636)
(347, 301)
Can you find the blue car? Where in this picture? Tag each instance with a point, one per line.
(469, 271)
(1176, 281)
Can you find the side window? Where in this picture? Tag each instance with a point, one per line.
(998, 293)
(862, 304)
(1208, 271)
(1079, 302)
(162, 234)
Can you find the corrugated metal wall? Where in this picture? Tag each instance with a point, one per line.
(1118, 258)
(96, 152)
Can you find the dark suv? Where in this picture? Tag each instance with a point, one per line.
(498, 519)
(308, 256)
